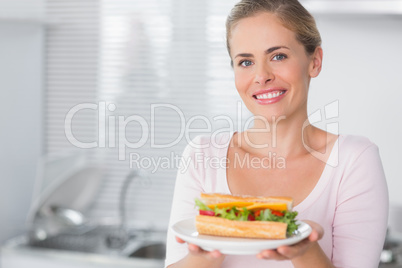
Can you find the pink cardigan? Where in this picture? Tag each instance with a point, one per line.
(350, 201)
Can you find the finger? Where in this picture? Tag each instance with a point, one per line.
(215, 254)
(294, 250)
(314, 236)
(318, 231)
(194, 249)
(270, 255)
(179, 240)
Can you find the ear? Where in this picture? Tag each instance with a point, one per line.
(316, 62)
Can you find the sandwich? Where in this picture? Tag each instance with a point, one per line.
(245, 216)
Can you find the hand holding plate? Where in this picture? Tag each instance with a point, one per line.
(296, 250)
(197, 251)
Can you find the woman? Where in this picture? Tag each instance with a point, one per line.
(337, 182)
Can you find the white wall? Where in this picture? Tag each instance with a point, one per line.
(21, 134)
(362, 70)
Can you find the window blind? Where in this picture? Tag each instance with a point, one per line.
(136, 74)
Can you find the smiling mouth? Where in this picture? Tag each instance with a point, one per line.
(268, 96)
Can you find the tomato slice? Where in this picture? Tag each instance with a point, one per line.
(251, 217)
(207, 212)
(257, 213)
(277, 213)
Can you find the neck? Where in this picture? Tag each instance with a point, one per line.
(285, 137)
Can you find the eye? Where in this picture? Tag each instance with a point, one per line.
(245, 63)
(279, 57)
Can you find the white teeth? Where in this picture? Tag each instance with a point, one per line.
(269, 95)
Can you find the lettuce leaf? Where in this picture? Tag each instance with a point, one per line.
(232, 213)
(289, 217)
(201, 205)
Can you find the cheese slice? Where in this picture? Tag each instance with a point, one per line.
(251, 205)
(231, 204)
(272, 206)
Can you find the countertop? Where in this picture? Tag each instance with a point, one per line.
(15, 254)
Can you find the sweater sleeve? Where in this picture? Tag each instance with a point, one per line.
(188, 186)
(361, 216)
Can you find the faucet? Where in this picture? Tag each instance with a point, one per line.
(119, 239)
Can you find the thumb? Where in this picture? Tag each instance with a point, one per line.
(317, 232)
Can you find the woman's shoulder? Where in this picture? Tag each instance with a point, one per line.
(354, 147)
(355, 143)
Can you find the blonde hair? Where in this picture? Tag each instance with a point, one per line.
(291, 13)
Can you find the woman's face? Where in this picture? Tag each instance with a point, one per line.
(272, 70)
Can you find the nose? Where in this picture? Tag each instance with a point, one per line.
(263, 75)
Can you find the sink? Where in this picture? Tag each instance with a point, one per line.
(141, 248)
(81, 243)
(78, 239)
(86, 240)
(108, 241)
(152, 251)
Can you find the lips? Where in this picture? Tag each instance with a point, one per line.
(269, 96)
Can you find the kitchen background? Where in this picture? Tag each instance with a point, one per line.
(74, 73)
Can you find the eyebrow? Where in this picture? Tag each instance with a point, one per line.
(268, 51)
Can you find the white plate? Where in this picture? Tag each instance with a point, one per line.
(186, 230)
